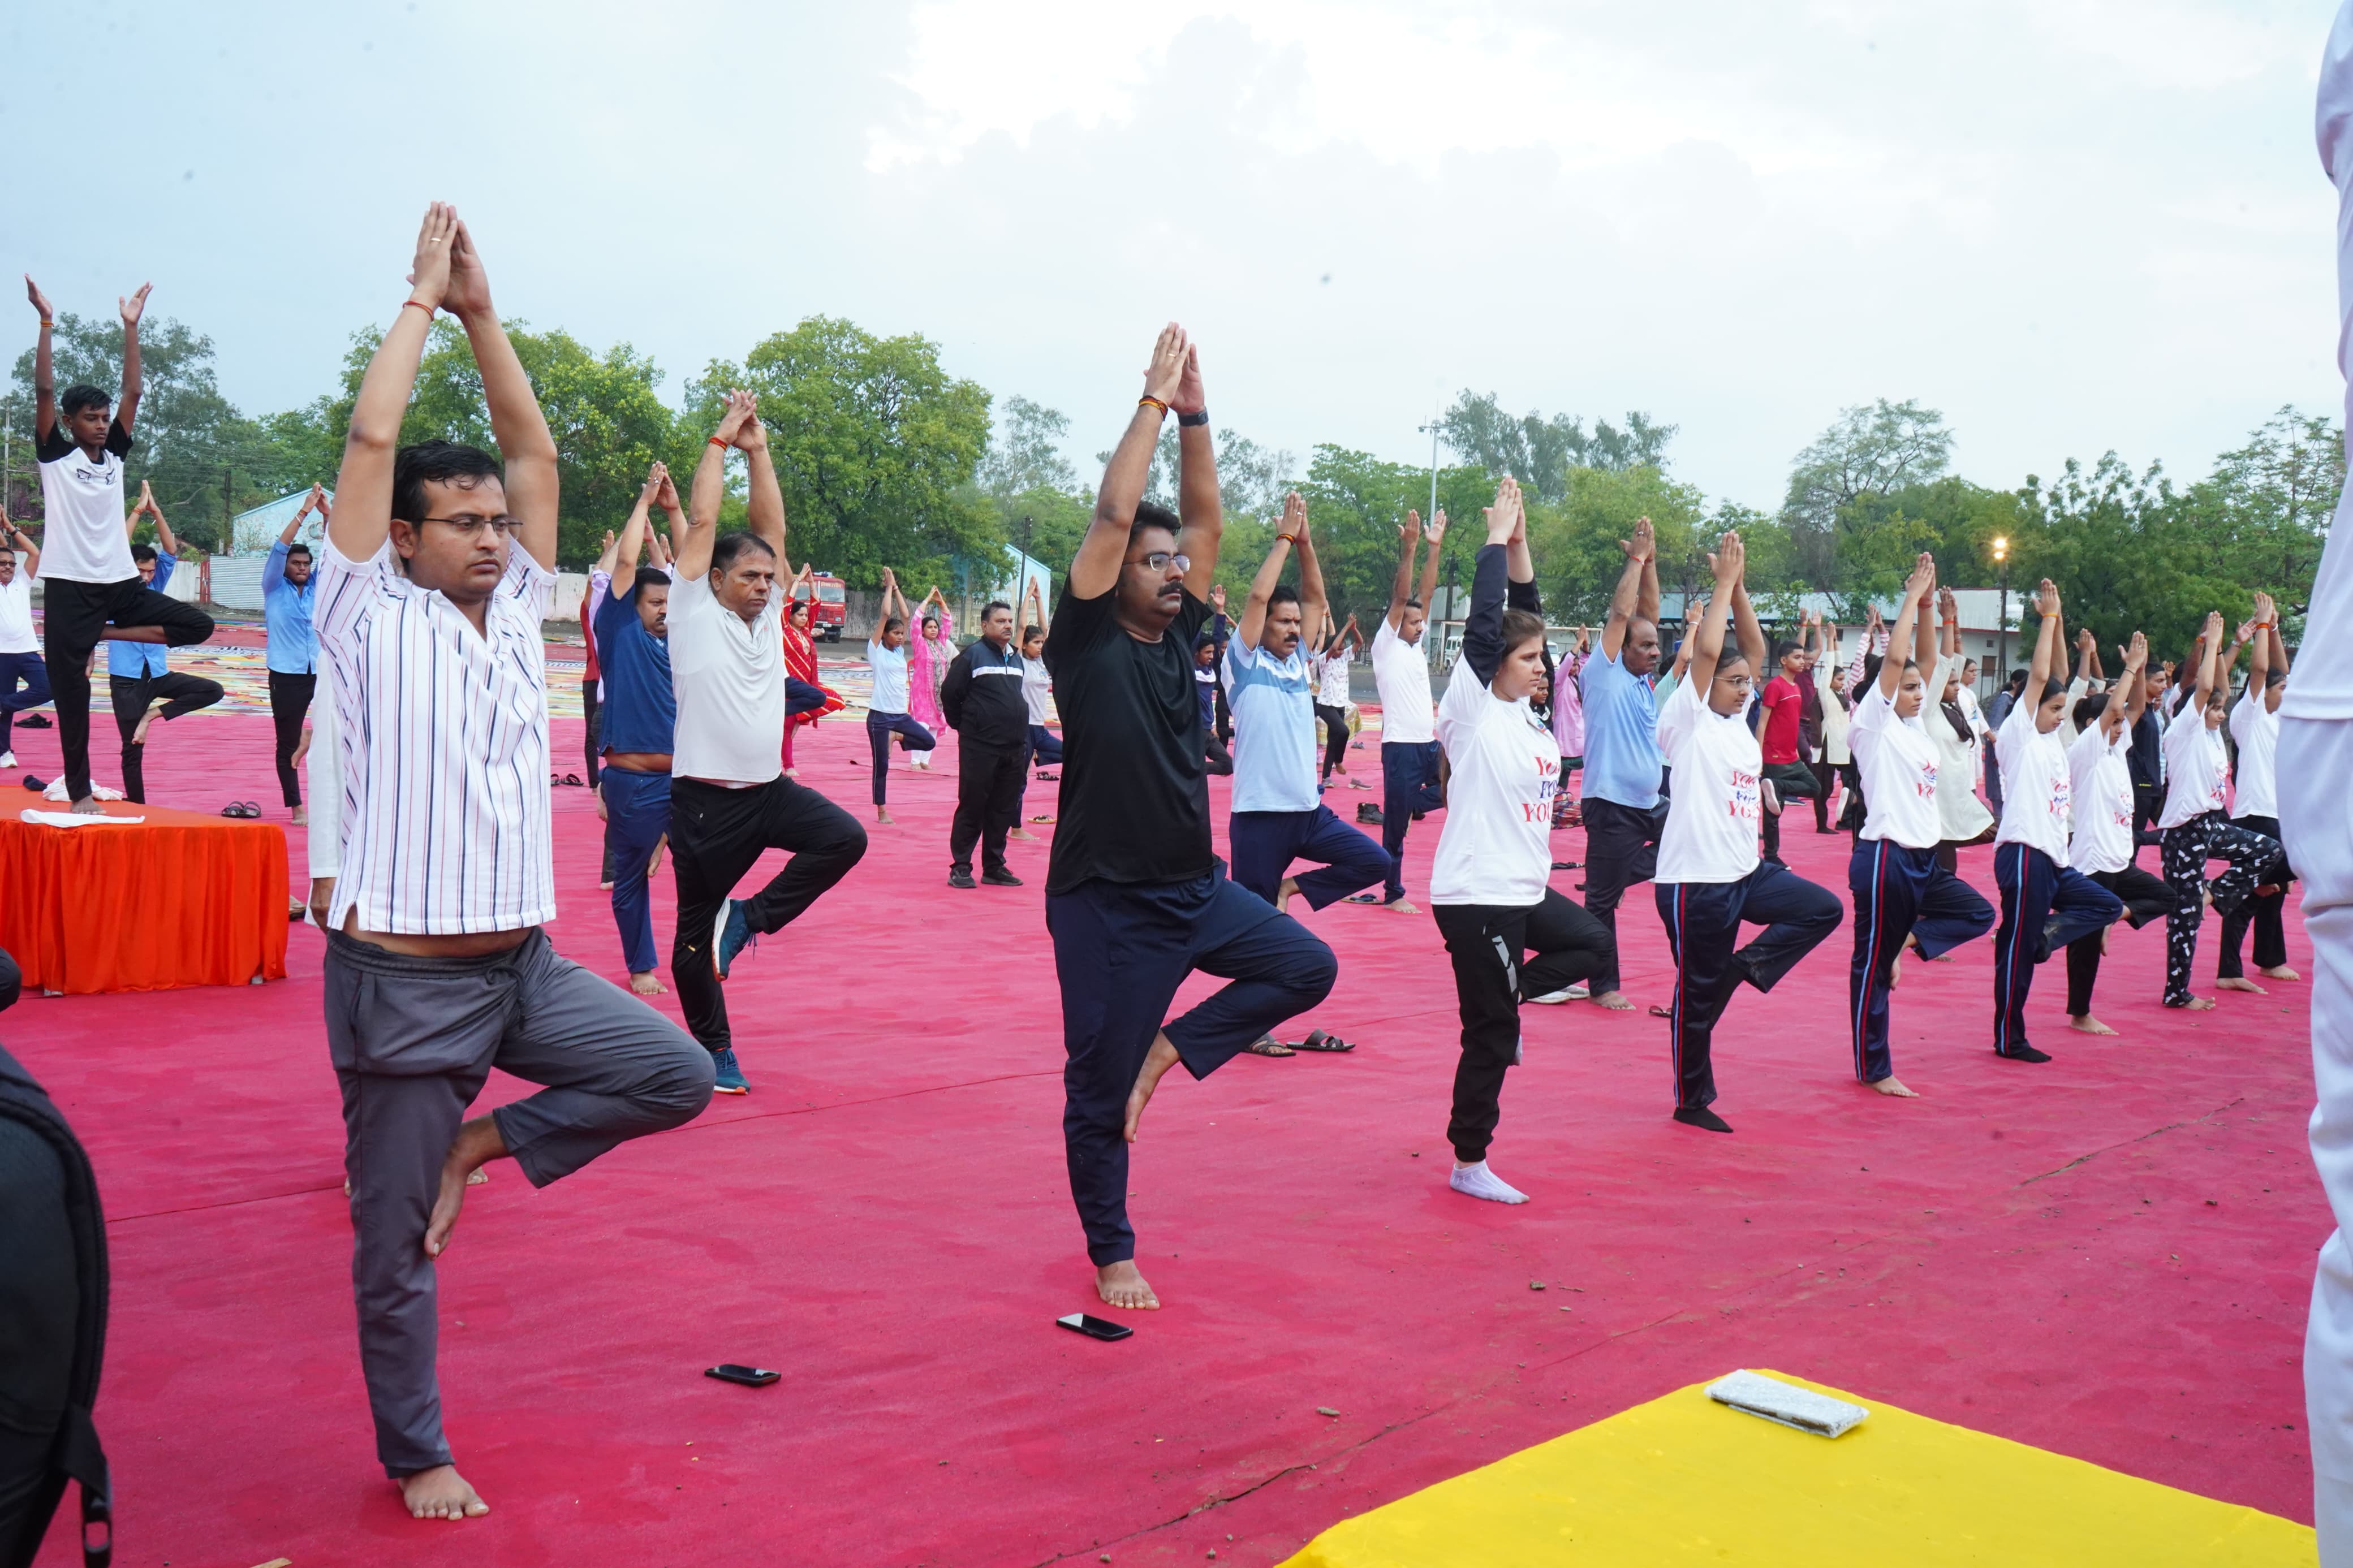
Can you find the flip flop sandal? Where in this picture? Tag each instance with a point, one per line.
(1047, 819)
(1324, 1040)
(574, 780)
(1659, 1012)
(1050, 778)
(1363, 899)
(1268, 1046)
(252, 810)
(1567, 865)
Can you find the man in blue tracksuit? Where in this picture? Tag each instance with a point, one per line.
(980, 696)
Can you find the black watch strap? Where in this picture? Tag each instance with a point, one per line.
(1200, 418)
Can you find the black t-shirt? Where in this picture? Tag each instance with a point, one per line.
(1135, 788)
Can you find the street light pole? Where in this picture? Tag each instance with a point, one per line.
(2002, 616)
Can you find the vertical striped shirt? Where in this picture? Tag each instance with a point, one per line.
(445, 824)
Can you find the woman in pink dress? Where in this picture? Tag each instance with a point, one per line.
(1569, 721)
(800, 660)
(929, 654)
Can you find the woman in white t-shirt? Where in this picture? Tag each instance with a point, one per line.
(1490, 883)
(1902, 896)
(2193, 828)
(2046, 903)
(2254, 805)
(2103, 846)
(1952, 723)
(1710, 877)
(887, 703)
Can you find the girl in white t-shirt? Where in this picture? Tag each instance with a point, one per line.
(2104, 846)
(1710, 877)
(2046, 903)
(2197, 782)
(2254, 805)
(1491, 884)
(1902, 896)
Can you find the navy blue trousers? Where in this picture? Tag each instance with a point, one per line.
(636, 815)
(912, 737)
(1121, 950)
(1899, 892)
(2044, 907)
(1265, 843)
(1409, 784)
(1703, 921)
(1045, 745)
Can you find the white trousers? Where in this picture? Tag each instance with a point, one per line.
(2315, 760)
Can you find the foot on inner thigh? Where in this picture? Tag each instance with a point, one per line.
(441, 1493)
(476, 1143)
(1121, 1285)
(1476, 1181)
(1894, 1085)
(1283, 895)
(2238, 983)
(647, 984)
(2279, 971)
(1159, 1060)
(139, 736)
(2087, 1024)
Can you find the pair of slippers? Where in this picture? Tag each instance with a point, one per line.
(245, 809)
(571, 779)
(1316, 1040)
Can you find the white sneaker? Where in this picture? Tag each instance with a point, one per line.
(1478, 1182)
(8, 759)
(1577, 993)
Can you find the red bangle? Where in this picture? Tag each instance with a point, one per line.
(720, 441)
(421, 305)
(1154, 402)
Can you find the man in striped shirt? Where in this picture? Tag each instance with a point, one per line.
(432, 587)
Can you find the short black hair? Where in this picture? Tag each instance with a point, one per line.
(1783, 647)
(2088, 711)
(994, 605)
(298, 548)
(436, 462)
(82, 395)
(2054, 687)
(1033, 630)
(652, 577)
(1413, 604)
(2017, 681)
(2273, 676)
(1284, 593)
(734, 543)
(143, 552)
(895, 623)
(1152, 514)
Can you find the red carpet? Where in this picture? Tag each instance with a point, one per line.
(2108, 1257)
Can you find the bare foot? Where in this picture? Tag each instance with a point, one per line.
(478, 1142)
(301, 817)
(1894, 1085)
(2085, 1024)
(653, 861)
(441, 1493)
(1615, 1001)
(883, 817)
(2238, 983)
(1025, 835)
(2279, 971)
(139, 735)
(1120, 1285)
(1156, 1061)
(2200, 1005)
(1283, 895)
(792, 773)
(1401, 907)
(647, 984)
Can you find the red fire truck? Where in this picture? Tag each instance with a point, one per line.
(831, 609)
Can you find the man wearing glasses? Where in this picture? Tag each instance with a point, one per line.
(1135, 900)
(436, 967)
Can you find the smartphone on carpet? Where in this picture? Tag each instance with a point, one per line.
(1094, 1328)
(749, 1376)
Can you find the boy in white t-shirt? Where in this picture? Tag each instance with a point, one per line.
(1902, 896)
(2254, 805)
(2106, 805)
(24, 678)
(1710, 877)
(2046, 903)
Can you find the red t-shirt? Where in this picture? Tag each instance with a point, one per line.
(1783, 705)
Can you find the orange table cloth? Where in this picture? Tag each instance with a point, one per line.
(175, 900)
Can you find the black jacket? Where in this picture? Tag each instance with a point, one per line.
(981, 696)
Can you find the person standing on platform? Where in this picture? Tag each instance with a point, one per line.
(2254, 805)
(2046, 903)
(1135, 898)
(1711, 877)
(292, 651)
(92, 592)
(140, 680)
(1279, 814)
(1904, 895)
(1622, 811)
(433, 582)
(981, 697)
(24, 678)
(730, 800)
(640, 723)
(2103, 846)
(1490, 886)
(1409, 774)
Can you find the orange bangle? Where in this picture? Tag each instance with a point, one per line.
(720, 441)
(421, 305)
(1154, 402)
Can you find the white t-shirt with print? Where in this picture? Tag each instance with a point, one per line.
(1898, 763)
(1497, 845)
(2101, 781)
(83, 538)
(2038, 785)
(2257, 731)
(1714, 812)
(2196, 768)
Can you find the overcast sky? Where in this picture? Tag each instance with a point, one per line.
(2071, 225)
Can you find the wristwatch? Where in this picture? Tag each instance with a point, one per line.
(1200, 418)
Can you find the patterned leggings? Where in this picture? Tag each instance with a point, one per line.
(2254, 861)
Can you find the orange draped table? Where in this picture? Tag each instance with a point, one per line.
(177, 899)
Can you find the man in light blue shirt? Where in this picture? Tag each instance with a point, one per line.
(1279, 815)
(1621, 808)
(139, 680)
(293, 654)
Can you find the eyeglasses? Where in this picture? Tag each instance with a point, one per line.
(503, 527)
(1738, 682)
(1159, 558)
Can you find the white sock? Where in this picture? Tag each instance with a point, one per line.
(1478, 1182)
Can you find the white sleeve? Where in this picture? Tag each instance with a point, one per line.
(324, 764)
(1679, 720)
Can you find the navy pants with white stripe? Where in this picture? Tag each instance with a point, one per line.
(1265, 843)
(1703, 921)
(1899, 892)
(2044, 907)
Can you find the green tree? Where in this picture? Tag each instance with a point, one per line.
(2268, 505)
(1871, 451)
(1575, 542)
(1541, 451)
(2128, 555)
(1355, 502)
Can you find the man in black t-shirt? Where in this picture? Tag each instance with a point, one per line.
(1134, 898)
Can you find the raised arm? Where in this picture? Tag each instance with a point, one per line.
(1483, 628)
(2050, 648)
(2270, 614)
(526, 448)
(1948, 621)
(1314, 602)
(1924, 630)
(2087, 657)
(1911, 626)
(1095, 570)
(1032, 600)
(2210, 662)
(1287, 536)
(1626, 603)
(293, 529)
(45, 380)
(1200, 508)
(764, 508)
(1754, 647)
(164, 538)
(1647, 605)
(666, 499)
(2259, 670)
(693, 546)
(2124, 707)
(1705, 637)
(1400, 590)
(362, 515)
(127, 409)
(24, 545)
(1433, 535)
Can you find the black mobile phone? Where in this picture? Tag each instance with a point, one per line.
(1094, 1328)
(749, 1376)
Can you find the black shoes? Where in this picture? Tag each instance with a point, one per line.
(1000, 879)
(959, 879)
(1701, 1116)
(1369, 813)
(2024, 1054)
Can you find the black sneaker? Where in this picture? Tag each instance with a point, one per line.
(1000, 879)
(961, 880)
(1369, 813)
(2024, 1054)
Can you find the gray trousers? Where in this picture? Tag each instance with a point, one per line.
(413, 1039)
